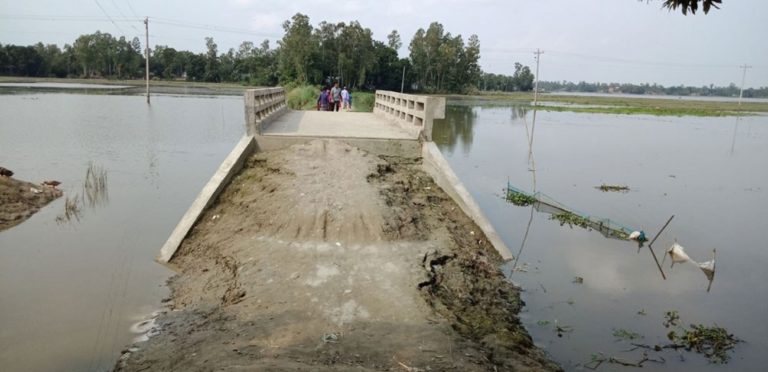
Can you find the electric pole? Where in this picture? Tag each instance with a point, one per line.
(743, 77)
(402, 82)
(538, 54)
(146, 60)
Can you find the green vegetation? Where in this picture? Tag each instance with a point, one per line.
(658, 111)
(624, 334)
(573, 219)
(714, 342)
(614, 188)
(647, 89)
(439, 62)
(520, 199)
(570, 219)
(627, 105)
(302, 97)
(362, 101)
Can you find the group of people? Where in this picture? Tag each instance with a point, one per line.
(333, 99)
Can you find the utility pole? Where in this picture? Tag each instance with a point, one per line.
(146, 60)
(402, 82)
(744, 67)
(743, 77)
(538, 54)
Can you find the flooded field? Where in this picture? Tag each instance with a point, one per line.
(71, 287)
(588, 295)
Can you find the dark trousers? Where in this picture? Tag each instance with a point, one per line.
(335, 106)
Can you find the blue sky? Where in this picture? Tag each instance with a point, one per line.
(591, 40)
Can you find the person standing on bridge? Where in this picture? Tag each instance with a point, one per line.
(322, 101)
(335, 97)
(345, 99)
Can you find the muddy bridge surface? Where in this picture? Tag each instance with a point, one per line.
(336, 241)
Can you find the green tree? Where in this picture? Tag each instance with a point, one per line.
(212, 73)
(441, 62)
(297, 48)
(523, 78)
(393, 40)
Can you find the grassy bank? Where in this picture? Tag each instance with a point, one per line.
(362, 101)
(628, 105)
(302, 97)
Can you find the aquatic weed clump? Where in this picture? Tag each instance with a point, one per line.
(714, 342)
(571, 219)
(612, 188)
(519, 199)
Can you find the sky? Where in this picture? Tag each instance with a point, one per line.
(633, 41)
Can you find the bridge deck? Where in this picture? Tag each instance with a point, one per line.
(336, 124)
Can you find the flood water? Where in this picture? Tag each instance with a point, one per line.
(711, 173)
(70, 290)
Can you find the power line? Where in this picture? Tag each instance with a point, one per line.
(203, 26)
(110, 18)
(606, 59)
(33, 17)
(131, 8)
(123, 15)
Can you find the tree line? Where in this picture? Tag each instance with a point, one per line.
(345, 52)
(652, 89)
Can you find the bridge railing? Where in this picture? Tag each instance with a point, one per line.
(413, 112)
(263, 105)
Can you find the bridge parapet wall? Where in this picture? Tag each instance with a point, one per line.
(414, 113)
(262, 106)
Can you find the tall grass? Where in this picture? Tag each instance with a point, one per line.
(362, 101)
(95, 185)
(95, 192)
(303, 97)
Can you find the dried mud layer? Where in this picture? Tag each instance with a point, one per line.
(19, 200)
(324, 257)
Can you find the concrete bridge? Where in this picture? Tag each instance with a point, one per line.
(337, 241)
(400, 125)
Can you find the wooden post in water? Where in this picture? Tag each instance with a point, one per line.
(650, 247)
(146, 59)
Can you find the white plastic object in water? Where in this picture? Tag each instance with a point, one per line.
(708, 267)
(677, 254)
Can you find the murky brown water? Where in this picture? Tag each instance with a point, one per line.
(711, 173)
(70, 292)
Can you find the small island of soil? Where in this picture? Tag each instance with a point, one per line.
(19, 200)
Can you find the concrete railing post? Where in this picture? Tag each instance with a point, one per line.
(262, 106)
(412, 112)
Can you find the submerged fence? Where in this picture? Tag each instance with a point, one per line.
(566, 215)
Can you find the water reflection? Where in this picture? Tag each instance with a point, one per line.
(678, 166)
(456, 128)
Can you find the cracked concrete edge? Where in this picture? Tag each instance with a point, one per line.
(228, 168)
(436, 166)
